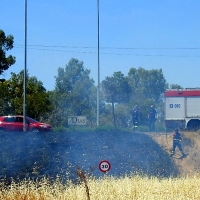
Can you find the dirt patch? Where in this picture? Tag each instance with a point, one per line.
(191, 145)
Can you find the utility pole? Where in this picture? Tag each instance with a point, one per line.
(98, 83)
(25, 71)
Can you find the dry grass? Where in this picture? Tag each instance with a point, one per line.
(191, 146)
(128, 187)
(107, 188)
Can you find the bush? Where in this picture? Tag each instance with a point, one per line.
(160, 127)
(143, 128)
(60, 129)
(105, 128)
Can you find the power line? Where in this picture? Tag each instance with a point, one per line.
(50, 48)
(121, 48)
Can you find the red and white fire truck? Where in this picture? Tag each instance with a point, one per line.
(182, 108)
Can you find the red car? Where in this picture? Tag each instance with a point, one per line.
(15, 123)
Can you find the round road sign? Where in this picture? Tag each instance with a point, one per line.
(104, 166)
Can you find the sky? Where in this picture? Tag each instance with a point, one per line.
(132, 33)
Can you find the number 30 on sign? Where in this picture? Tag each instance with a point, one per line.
(104, 166)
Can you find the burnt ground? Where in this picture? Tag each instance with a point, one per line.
(33, 155)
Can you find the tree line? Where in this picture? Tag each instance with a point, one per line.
(75, 93)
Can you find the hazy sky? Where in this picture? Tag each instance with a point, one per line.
(133, 33)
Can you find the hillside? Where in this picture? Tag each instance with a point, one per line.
(33, 155)
(191, 146)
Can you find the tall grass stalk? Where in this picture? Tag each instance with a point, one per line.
(106, 188)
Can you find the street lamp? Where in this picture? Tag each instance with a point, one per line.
(98, 83)
(25, 72)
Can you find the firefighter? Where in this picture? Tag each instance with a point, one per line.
(135, 116)
(177, 139)
(152, 118)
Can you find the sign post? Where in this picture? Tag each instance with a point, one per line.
(77, 120)
(104, 166)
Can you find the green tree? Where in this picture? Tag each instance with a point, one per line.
(147, 87)
(115, 90)
(175, 86)
(73, 93)
(38, 101)
(5, 107)
(6, 43)
(147, 83)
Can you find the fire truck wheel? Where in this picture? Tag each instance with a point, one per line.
(193, 125)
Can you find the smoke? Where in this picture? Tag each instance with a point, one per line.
(35, 155)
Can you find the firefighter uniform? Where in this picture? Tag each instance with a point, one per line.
(135, 116)
(152, 118)
(177, 139)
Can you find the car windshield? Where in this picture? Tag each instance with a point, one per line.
(32, 119)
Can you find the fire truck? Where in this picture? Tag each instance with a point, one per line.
(182, 108)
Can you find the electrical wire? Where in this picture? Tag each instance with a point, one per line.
(54, 48)
(142, 48)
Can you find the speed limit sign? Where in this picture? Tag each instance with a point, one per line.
(104, 166)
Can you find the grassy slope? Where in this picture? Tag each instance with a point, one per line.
(135, 187)
(32, 155)
(191, 146)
